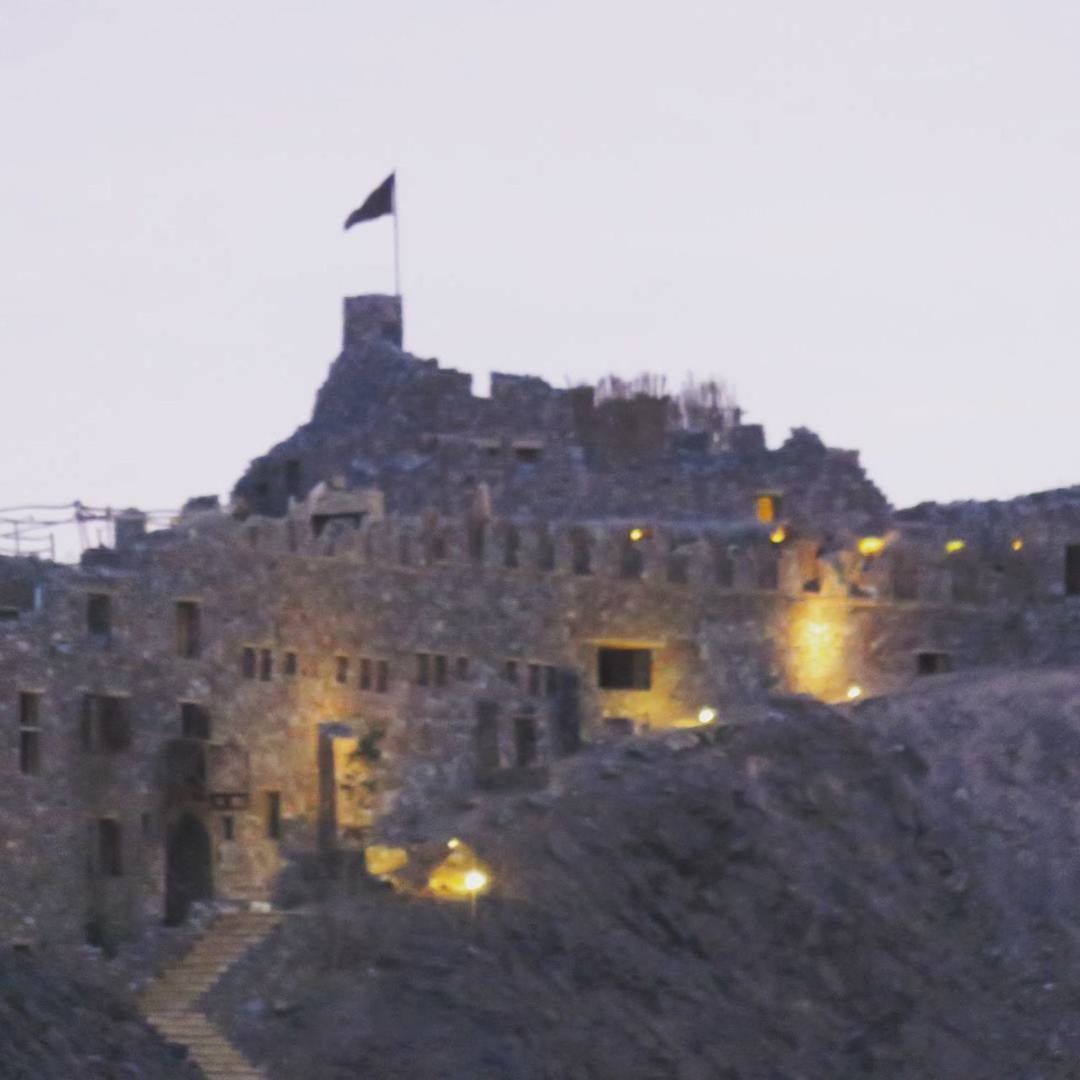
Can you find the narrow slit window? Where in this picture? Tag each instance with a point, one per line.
(266, 665)
(188, 629)
(382, 676)
(247, 663)
(99, 616)
(110, 848)
(341, 669)
(273, 815)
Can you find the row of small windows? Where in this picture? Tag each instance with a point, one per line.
(374, 674)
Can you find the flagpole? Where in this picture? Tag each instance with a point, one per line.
(397, 249)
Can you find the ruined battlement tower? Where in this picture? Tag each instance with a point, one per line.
(374, 317)
(414, 429)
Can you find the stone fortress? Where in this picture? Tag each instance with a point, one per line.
(423, 594)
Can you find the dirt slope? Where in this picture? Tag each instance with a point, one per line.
(813, 897)
(53, 1027)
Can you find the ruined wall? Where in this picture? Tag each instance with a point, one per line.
(413, 429)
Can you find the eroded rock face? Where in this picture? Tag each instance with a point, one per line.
(796, 897)
(56, 1027)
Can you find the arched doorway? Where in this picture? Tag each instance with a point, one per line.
(188, 868)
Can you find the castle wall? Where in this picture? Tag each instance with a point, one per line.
(467, 618)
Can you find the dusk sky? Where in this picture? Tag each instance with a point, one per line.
(864, 216)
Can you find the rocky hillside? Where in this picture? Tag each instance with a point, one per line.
(53, 1027)
(888, 893)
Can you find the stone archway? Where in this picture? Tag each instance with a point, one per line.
(188, 867)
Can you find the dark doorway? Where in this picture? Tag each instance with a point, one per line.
(524, 741)
(188, 868)
(567, 714)
(487, 736)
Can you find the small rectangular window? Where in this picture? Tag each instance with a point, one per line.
(624, 669)
(535, 677)
(106, 723)
(341, 669)
(29, 733)
(9, 614)
(188, 621)
(266, 665)
(114, 724)
(228, 827)
(29, 752)
(99, 615)
(382, 676)
(194, 721)
(29, 710)
(932, 663)
(767, 508)
(110, 848)
(247, 663)
(510, 670)
(440, 669)
(290, 665)
(365, 673)
(273, 815)
(423, 669)
(551, 681)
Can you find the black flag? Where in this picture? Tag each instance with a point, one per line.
(379, 202)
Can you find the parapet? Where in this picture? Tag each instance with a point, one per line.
(373, 317)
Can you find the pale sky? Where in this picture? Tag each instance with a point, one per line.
(865, 216)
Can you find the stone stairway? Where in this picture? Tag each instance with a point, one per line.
(171, 1004)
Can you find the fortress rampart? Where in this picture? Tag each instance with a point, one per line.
(422, 596)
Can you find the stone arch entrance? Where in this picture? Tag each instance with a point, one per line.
(188, 867)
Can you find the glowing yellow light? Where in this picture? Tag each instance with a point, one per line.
(778, 535)
(453, 842)
(475, 880)
(871, 545)
(1018, 544)
(637, 534)
(706, 715)
(382, 861)
(953, 546)
(854, 692)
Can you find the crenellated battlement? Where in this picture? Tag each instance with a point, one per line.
(912, 565)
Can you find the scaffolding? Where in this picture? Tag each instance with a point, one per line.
(62, 533)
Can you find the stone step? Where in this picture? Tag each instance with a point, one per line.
(169, 1003)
